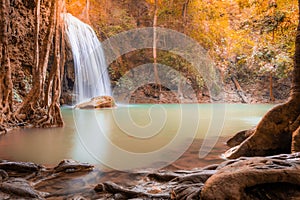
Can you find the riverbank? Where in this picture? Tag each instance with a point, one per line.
(256, 91)
(275, 177)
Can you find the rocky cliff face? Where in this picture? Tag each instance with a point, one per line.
(21, 42)
(21, 48)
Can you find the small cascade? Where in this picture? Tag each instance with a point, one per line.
(91, 75)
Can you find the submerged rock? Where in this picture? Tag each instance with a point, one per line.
(19, 188)
(98, 102)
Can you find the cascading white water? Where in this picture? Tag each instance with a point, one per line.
(91, 75)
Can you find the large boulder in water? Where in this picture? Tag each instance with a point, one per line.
(98, 102)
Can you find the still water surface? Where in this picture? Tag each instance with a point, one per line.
(134, 136)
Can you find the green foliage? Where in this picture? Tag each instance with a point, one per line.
(185, 68)
(124, 23)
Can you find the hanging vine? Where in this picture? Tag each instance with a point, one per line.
(40, 108)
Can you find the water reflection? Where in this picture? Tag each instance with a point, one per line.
(102, 136)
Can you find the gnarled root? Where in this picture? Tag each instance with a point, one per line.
(233, 181)
(273, 135)
(296, 141)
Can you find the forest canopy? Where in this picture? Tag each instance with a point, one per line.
(246, 38)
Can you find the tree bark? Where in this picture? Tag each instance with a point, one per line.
(156, 76)
(37, 31)
(6, 85)
(87, 8)
(41, 106)
(272, 99)
(296, 71)
(239, 90)
(184, 22)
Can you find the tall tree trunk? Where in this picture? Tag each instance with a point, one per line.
(184, 22)
(184, 13)
(54, 117)
(41, 109)
(37, 31)
(277, 129)
(272, 99)
(37, 109)
(87, 10)
(296, 72)
(6, 85)
(156, 76)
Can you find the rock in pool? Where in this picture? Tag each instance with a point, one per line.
(98, 102)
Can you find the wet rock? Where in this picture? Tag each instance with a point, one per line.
(19, 188)
(3, 175)
(234, 180)
(199, 177)
(98, 102)
(70, 166)
(67, 95)
(256, 178)
(129, 193)
(190, 191)
(162, 176)
(19, 166)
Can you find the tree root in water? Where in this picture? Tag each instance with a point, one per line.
(243, 178)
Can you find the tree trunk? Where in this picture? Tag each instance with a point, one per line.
(184, 14)
(184, 22)
(296, 71)
(156, 76)
(37, 31)
(272, 99)
(6, 85)
(87, 13)
(239, 90)
(54, 117)
(41, 106)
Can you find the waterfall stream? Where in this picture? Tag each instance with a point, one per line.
(91, 75)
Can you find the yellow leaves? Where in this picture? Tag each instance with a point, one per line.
(159, 2)
(75, 7)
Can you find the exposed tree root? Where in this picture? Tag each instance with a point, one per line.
(189, 191)
(296, 141)
(127, 193)
(40, 108)
(239, 137)
(273, 135)
(243, 178)
(231, 181)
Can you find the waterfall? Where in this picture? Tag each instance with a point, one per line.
(91, 75)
